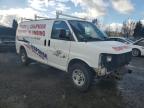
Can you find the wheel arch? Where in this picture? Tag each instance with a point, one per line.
(138, 50)
(21, 48)
(76, 60)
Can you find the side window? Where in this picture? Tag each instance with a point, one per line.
(60, 31)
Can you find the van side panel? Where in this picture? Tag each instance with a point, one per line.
(34, 35)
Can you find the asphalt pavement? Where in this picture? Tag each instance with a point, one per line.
(40, 86)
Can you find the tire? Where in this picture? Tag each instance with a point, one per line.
(24, 58)
(136, 52)
(81, 76)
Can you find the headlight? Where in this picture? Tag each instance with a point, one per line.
(109, 58)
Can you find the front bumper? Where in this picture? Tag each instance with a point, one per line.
(105, 72)
(117, 63)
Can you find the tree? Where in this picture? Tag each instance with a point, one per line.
(128, 28)
(124, 29)
(143, 32)
(95, 21)
(14, 24)
(138, 31)
(108, 30)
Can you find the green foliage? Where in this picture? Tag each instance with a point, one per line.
(139, 30)
(128, 28)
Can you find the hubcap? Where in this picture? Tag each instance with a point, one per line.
(135, 53)
(78, 77)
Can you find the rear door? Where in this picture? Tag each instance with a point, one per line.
(35, 40)
(58, 47)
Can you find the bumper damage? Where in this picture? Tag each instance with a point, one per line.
(117, 73)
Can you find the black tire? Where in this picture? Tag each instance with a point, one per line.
(136, 52)
(86, 73)
(24, 58)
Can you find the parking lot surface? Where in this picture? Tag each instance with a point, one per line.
(40, 86)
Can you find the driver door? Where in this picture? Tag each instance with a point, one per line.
(59, 45)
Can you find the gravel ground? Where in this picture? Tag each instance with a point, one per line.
(40, 86)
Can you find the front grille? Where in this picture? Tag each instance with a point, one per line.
(118, 60)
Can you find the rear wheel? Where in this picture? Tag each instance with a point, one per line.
(23, 56)
(136, 52)
(81, 76)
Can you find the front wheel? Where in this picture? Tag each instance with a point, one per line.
(81, 76)
(135, 52)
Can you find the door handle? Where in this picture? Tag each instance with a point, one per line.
(45, 42)
(48, 42)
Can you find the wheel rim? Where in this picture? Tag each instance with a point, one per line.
(135, 53)
(78, 77)
(23, 57)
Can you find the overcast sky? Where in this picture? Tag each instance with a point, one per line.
(108, 11)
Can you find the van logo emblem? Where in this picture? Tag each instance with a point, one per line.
(59, 53)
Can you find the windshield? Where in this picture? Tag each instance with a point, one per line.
(86, 31)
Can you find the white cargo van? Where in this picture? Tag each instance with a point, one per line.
(74, 46)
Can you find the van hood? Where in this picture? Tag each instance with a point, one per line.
(111, 47)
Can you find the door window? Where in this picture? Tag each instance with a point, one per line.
(61, 31)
